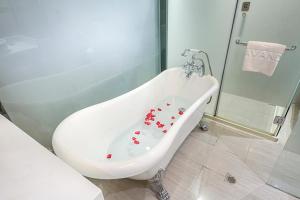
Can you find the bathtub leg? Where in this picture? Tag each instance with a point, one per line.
(157, 186)
(203, 126)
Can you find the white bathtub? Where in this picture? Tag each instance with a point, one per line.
(84, 139)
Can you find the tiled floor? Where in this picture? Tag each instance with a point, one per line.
(199, 168)
(286, 173)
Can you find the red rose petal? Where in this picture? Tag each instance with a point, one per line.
(133, 138)
(137, 132)
(165, 131)
(147, 123)
(159, 109)
(108, 156)
(168, 104)
(160, 125)
(180, 113)
(172, 124)
(152, 110)
(172, 117)
(136, 142)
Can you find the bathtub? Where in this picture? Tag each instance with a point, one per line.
(136, 134)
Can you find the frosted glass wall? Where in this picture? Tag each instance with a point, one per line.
(59, 56)
(200, 24)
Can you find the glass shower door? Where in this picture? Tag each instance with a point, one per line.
(286, 171)
(252, 99)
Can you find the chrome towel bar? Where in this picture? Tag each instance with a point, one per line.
(292, 48)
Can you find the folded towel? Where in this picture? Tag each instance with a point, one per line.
(262, 57)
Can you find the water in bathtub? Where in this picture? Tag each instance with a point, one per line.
(146, 133)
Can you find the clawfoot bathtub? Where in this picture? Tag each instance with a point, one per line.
(136, 134)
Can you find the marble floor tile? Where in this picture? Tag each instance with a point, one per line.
(262, 156)
(224, 162)
(124, 189)
(205, 136)
(199, 153)
(198, 169)
(235, 143)
(211, 136)
(286, 173)
(213, 186)
(182, 171)
(266, 192)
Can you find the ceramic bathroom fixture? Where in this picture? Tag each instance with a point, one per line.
(136, 134)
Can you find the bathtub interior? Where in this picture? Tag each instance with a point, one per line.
(115, 130)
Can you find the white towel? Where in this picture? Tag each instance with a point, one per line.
(262, 57)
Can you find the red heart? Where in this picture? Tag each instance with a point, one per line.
(108, 156)
(137, 132)
(136, 142)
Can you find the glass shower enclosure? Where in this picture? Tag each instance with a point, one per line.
(251, 99)
(285, 174)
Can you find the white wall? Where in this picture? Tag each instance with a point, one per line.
(200, 24)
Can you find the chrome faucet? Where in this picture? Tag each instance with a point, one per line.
(195, 64)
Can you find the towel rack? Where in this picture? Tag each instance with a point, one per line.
(292, 48)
